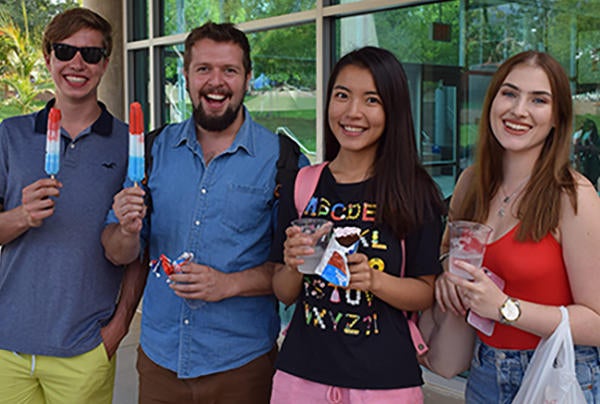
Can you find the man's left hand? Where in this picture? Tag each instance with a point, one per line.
(201, 282)
(112, 335)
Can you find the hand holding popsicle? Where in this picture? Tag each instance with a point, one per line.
(52, 163)
(135, 168)
(37, 201)
(130, 209)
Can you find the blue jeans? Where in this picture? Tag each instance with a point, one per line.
(496, 374)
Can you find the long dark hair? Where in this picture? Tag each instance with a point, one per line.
(405, 194)
(539, 209)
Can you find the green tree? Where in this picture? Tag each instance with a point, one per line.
(39, 12)
(183, 15)
(22, 70)
(286, 55)
(408, 33)
(23, 75)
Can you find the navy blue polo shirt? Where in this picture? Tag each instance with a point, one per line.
(56, 287)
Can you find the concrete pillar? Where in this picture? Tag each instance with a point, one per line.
(112, 88)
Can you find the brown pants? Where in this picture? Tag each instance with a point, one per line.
(249, 384)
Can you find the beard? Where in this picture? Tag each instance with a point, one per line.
(216, 123)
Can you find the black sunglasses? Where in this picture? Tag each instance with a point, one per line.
(90, 54)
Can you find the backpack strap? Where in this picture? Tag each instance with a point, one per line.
(306, 184)
(287, 163)
(148, 142)
(415, 334)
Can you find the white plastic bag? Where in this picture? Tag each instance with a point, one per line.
(550, 377)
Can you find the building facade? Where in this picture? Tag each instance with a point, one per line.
(450, 49)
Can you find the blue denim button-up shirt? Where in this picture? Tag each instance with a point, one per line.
(224, 214)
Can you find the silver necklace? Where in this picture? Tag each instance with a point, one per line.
(507, 198)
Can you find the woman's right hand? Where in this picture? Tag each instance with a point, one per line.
(296, 245)
(448, 296)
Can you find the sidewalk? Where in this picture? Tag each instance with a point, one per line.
(437, 390)
(126, 381)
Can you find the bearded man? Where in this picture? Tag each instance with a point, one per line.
(209, 334)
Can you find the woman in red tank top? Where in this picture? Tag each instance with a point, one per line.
(546, 231)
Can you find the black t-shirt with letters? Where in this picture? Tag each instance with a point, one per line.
(351, 338)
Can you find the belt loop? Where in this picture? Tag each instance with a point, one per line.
(476, 353)
(32, 365)
(334, 395)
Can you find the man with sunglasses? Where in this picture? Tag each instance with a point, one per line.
(60, 324)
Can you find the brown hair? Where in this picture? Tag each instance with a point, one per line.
(225, 32)
(71, 21)
(539, 209)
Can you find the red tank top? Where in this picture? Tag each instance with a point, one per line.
(534, 272)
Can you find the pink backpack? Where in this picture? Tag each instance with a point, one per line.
(304, 188)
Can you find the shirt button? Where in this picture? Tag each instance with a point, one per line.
(72, 145)
(186, 321)
(203, 191)
(197, 222)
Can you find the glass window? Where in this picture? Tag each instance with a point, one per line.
(137, 15)
(450, 50)
(179, 16)
(282, 93)
(139, 80)
(429, 52)
(497, 30)
(175, 103)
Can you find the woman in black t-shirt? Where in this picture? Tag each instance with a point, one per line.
(353, 345)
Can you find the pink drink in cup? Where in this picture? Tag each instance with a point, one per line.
(467, 243)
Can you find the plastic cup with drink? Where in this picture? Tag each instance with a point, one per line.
(467, 243)
(320, 233)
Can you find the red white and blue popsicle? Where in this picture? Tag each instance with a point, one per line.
(52, 163)
(135, 168)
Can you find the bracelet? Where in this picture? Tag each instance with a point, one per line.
(444, 256)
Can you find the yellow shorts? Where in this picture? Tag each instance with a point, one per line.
(31, 379)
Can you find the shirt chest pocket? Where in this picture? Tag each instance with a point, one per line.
(247, 207)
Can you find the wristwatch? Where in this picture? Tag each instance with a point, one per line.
(510, 311)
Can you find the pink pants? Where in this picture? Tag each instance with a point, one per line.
(289, 389)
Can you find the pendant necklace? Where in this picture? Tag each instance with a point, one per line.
(507, 198)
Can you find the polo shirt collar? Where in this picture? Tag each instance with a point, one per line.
(245, 139)
(102, 126)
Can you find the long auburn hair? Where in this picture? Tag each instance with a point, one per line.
(405, 194)
(539, 208)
